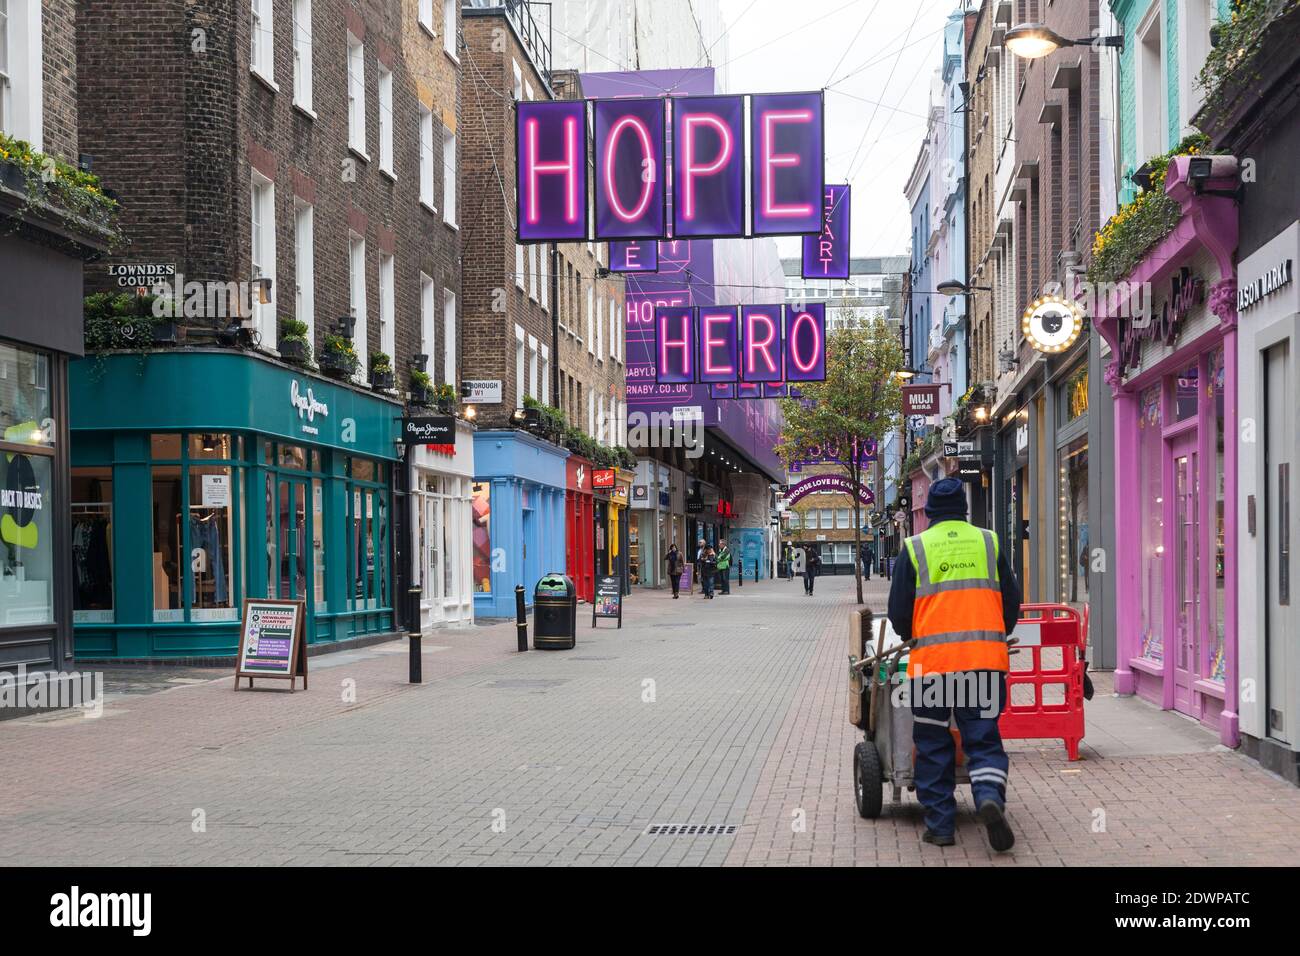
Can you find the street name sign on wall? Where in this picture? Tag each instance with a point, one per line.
(272, 642)
(481, 391)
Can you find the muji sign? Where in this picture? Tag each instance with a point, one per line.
(756, 344)
(712, 162)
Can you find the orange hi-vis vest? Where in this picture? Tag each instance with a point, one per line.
(957, 616)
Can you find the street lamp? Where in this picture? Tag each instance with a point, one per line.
(1034, 40)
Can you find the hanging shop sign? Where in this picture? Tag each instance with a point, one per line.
(602, 478)
(772, 344)
(609, 600)
(634, 256)
(429, 430)
(711, 165)
(1052, 323)
(629, 195)
(481, 392)
(272, 642)
(829, 483)
(970, 468)
(1186, 292)
(921, 400)
(826, 255)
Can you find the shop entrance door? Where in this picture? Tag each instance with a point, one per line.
(432, 590)
(1276, 495)
(294, 564)
(1185, 530)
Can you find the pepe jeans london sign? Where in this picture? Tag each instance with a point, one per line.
(308, 407)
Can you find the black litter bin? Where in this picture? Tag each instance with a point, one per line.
(555, 613)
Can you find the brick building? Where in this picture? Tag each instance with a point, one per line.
(288, 172)
(52, 221)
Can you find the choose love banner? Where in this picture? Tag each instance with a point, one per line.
(751, 344)
(836, 483)
(716, 167)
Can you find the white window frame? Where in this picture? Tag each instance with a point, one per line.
(261, 34)
(356, 61)
(591, 330)
(546, 375)
(1150, 94)
(357, 301)
(449, 178)
(544, 260)
(450, 9)
(386, 121)
(6, 69)
(449, 338)
(533, 390)
(426, 316)
(426, 158)
(519, 366)
(532, 272)
(22, 97)
(600, 334)
(591, 412)
(424, 15)
(611, 432)
(304, 264)
(613, 328)
(517, 90)
(302, 56)
(600, 435)
(387, 306)
(262, 253)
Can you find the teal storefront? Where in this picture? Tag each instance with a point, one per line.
(202, 477)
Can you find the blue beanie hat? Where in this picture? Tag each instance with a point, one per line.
(946, 499)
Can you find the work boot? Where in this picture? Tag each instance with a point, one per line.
(938, 839)
(995, 823)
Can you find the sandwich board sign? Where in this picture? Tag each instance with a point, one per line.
(609, 600)
(272, 642)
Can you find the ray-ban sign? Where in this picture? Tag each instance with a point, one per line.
(750, 344)
(740, 166)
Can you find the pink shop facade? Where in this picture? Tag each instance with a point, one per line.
(1172, 332)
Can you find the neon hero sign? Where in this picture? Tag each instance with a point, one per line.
(765, 347)
(772, 143)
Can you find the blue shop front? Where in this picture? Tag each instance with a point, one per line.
(518, 508)
(201, 477)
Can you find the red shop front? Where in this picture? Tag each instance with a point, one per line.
(579, 534)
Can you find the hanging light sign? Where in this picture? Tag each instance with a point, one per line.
(1052, 323)
(713, 161)
(634, 256)
(762, 346)
(826, 255)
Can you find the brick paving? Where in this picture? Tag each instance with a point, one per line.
(561, 758)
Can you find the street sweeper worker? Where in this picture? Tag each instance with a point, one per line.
(955, 593)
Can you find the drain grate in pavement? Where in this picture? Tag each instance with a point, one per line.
(527, 683)
(593, 658)
(690, 829)
(674, 625)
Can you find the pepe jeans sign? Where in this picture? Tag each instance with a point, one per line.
(433, 430)
(1251, 293)
(307, 406)
(1186, 292)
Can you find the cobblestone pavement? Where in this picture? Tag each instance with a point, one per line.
(728, 712)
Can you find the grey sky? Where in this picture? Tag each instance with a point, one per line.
(794, 45)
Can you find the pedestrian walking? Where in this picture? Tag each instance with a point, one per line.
(812, 564)
(708, 568)
(674, 560)
(724, 566)
(789, 561)
(955, 592)
(699, 564)
(868, 559)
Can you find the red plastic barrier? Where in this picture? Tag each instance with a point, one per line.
(1060, 626)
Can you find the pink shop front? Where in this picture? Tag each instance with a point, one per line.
(1173, 375)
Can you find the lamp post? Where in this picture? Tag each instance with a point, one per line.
(1035, 40)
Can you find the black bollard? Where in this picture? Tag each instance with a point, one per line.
(413, 612)
(521, 617)
(740, 573)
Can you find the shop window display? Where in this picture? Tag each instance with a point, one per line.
(92, 545)
(1150, 465)
(168, 599)
(482, 500)
(1072, 478)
